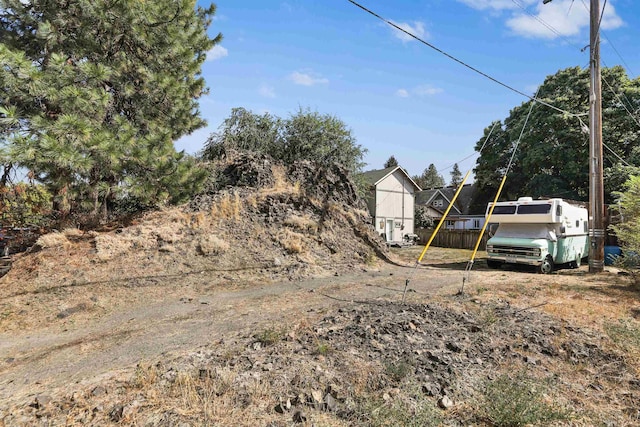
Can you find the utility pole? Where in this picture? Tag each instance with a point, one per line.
(596, 181)
(596, 184)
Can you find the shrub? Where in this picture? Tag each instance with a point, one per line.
(212, 245)
(628, 230)
(398, 412)
(518, 401)
(269, 336)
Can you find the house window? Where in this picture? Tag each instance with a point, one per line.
(450, 224)
(438, 203)
(476, 223)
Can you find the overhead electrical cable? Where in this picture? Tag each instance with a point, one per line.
(618, 53)
(464, 64)
(475, 153)
(537, 18)
(556, 32)
(495, 200)
(622, 103)
(443, 219)
(612, 46)
(551, 28)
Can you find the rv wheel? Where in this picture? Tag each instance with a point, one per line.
(547, 265)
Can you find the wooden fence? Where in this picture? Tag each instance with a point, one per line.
(457, 239)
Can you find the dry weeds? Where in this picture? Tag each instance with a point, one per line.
(212, 245)
(302, 223)
(292, 242)
(52, 240)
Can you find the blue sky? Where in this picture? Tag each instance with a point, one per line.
(398, 96)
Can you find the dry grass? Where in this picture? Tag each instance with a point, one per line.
(165, 227)
(52, 240)
(229, 207)
(434, 256)
(302, 223)
(198, 220)
(292, 242)
(109, 246)
(212, 245)
(281, 184)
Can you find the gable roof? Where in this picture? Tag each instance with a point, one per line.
(427, 196)
(373, 177)
(463, 203)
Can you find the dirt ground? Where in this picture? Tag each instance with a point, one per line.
(269, 301)
(107, 360)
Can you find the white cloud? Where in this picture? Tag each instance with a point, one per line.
(267, 91)
(567, 17)
(611, 20)
(417, 29)
(217, 52)
(307, 78)
(496, 5)
(422, 90)
(555, 15)
(427, 90)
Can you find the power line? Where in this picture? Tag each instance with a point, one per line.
(534, 98)
(605, 36)
(464, 64)
(556, 32)
(551, 28)
(618, 53)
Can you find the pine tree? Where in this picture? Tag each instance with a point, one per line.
(96, 92)
(430, 178)
(391, 162)
(456, 176)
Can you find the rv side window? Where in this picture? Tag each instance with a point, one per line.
(504, 210)
(577, 223)
(534, 209)
(559, 211)
(586, 227)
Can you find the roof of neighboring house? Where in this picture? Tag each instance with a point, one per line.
(464, 203)
(373, 177)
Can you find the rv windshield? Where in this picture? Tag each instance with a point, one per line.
(529, 231)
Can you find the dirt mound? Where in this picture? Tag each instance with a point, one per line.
(366, 365)
(259, 221)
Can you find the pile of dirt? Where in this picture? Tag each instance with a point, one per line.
(432, 363)
(260, 221)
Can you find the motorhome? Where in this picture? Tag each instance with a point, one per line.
(542, 233)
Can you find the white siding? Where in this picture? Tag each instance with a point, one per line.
(468, 223)
(394, 200)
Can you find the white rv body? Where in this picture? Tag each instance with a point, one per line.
(542, 233)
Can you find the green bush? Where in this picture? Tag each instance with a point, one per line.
(519, 401)
(409, 412)
(628, 229)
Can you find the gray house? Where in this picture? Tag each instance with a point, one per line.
(390, 199)
(464, 214)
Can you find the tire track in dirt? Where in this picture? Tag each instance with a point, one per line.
(40, 362)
